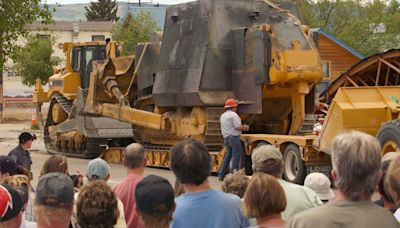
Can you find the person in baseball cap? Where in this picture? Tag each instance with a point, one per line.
(10, 207)
(155, 201)
(98, 169)
(268, 159)
(263, 153)
(8, 167)
(20, 154)
(26, 136)
(54, 200)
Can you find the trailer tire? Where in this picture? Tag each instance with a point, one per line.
(389, 136)
(294, 169)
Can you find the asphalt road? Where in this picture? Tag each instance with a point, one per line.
(8, 140)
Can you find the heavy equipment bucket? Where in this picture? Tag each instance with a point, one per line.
(359, 108)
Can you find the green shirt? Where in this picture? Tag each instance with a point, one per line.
(299, 198)
(344, 214)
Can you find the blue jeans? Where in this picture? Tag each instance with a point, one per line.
(234, 148)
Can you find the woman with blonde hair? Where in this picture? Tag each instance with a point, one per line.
(23, 185)
(264, 200)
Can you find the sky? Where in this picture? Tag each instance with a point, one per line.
(132, 1)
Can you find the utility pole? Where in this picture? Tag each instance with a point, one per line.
(1, 83)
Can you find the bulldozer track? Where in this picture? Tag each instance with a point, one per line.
(65, 151)
(55, 152)
(66, 105)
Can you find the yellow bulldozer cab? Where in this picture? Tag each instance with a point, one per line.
(78, 63)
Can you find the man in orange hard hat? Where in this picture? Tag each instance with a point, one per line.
(231, 128)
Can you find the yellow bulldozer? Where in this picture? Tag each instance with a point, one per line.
(66, 131)
(175, 86)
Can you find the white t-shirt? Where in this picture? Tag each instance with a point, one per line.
(230, 120)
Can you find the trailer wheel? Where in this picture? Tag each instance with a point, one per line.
(389, 136)
(294, 167)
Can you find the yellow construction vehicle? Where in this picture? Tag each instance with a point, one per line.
(256, 52)
(66, 131)
(175, 86)
(365, 98)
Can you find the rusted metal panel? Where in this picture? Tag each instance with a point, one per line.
(149, 62)
(249, 70)
(198, 55)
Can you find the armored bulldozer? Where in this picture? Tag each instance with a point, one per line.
(175, 86)
(255, 51)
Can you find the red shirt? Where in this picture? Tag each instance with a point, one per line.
(125, 191)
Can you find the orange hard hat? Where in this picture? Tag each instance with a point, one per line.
(230, 103)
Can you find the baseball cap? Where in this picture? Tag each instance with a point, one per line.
(55, 190)
(10, 203)
(8, 165)
(154, 195)
(25, 136)
(262, 153)
(97, 169)
(320, 184)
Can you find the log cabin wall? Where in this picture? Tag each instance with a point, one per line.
(335, 55)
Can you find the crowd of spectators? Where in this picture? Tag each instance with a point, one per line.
(62, 199)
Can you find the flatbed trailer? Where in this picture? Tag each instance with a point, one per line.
(365, 98)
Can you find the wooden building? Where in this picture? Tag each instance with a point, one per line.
(336, 56)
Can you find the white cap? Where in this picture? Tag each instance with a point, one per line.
(320, 184)
(389, 156)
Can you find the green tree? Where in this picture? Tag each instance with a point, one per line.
(14, 16)
(368, 27)
(135, 28)
(103, 10)
(35, 60)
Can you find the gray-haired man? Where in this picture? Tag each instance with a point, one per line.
(356, 162)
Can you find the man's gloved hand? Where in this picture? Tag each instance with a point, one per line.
(246, 127)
